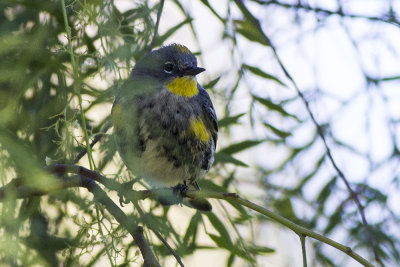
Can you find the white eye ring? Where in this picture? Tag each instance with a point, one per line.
(168, 67)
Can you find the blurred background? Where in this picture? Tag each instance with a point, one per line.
(56, 94)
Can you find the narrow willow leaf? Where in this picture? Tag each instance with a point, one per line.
(210, 185)
(272, 106)
(231, 260)
(253, 22)
(262, 74)
(260, 249)
(250, 31)
(326, 191)
(229, 120)
(219, 241)
(277, 131)
(165, 36)
(226, 158)
(334, 220)
(390, 78)
(207, 4)
(243, 253)
(238, 147)
(221, 229)
(191, 231)
(212, 83)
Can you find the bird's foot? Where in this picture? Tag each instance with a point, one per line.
(168, 197)
(121, 193)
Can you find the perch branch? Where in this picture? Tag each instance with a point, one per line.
(299, 230)
(89, 183)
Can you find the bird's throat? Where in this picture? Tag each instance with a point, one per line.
(183, 86)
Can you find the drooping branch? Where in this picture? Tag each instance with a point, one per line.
(320, 131)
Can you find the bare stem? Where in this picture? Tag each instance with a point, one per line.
(303, 249)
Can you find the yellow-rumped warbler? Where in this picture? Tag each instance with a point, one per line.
(164, 121)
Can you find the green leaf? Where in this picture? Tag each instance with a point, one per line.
(219, 241)
(326, 191)
(207, 4)
(260, 249)
(285, 208)
(276, 131)
(191, 231)
(253, 23)
(221, 229)
(230, 260)
(212, 83)
(161, 39)
(243, 253)
(238, 147)
(390, 78)
(226, 158)
(334, 219)
(250, 31)
(207, 184)
(272, 106)
(229, 120)
(262, 74)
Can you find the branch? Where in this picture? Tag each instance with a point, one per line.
(299, 230)
(16, 190)
(96, 139)
(353, 194)
(303, 249)
(339, 12)
(160, 8)
(136, 231)
(86, 178)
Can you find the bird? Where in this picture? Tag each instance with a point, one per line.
(165, 124)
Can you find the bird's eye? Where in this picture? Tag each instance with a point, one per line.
(168, 67)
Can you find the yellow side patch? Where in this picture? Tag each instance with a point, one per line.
(182, 48)
(198, 128)
(183, 86)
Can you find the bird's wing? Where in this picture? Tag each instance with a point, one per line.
(208, 109)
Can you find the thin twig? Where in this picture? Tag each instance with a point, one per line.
(320, 131)
(303, 249)
(177, 257)
(77, 82)
(142, 215)
(299, 230)
(159, 12)
(136, 231)
(353, 194)
(339, 12)
(96, 139)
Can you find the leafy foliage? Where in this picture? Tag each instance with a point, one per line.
(58, 76)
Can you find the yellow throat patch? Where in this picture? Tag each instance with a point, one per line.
(183, 86)
(198, 128)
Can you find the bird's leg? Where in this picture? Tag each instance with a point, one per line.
(175, 197)
(180, 189)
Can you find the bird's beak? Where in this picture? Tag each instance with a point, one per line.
(192, 71)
